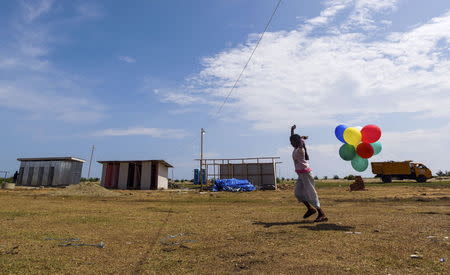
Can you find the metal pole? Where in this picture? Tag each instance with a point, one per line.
(206, 171)
(202, 132)
(214, 167)
(90, 161)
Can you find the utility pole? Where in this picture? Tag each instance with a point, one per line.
(90, 161)
(202, 132)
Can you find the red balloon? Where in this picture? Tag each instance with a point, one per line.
(365, 150)
(370, 133)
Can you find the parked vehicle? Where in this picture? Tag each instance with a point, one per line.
(407, 169)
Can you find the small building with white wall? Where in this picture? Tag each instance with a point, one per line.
(53, 171)
(135, 174)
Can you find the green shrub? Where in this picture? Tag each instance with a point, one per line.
(9, 180)
(441, 173)
(349, 177)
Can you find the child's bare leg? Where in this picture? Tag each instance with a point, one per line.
(308, 205)
(321, 217)
(311, 211)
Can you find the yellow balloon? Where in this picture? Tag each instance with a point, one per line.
(352, 136)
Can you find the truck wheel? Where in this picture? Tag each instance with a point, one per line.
(386, 179)
(421, 178)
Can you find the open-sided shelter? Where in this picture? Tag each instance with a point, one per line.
(260, 171)
(135, 174)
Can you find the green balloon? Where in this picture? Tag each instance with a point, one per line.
(376, 147)
(360, 164)
(347, 152)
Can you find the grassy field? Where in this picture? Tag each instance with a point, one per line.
(374, 231)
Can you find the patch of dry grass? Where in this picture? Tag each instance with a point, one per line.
(257, 232)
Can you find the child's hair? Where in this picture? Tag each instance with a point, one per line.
(298, 138)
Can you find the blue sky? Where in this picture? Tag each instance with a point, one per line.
(140, 79)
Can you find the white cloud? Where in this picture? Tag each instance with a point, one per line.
(362, 13)
(127, 59)
(142, 131)
(423, 145)
(33, 9)
(314, 79)
(46, 105)
(184, 99)
(180, 111)
(181, 99)
(331, 10)
(30, 81)
(29, 41)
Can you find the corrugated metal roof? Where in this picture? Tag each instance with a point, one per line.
(119, 161)
(52, 159)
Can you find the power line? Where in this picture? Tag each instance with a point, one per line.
(249, 59)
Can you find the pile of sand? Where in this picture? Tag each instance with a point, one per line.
(89, 189)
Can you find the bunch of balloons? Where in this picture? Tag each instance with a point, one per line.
(360, 144)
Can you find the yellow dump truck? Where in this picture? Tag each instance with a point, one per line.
(407, 169)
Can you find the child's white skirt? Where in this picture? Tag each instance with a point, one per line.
(305, 190)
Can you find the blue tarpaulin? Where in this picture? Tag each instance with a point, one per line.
(233, 185)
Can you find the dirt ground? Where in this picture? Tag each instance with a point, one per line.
(177, 231)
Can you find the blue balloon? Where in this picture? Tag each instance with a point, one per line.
(339, 132)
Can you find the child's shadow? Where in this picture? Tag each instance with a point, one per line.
(270, 224)
(328, 227)
(315, 227)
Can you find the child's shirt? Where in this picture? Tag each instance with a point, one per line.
(301, 164)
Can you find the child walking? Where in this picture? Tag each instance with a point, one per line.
(305, 190)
